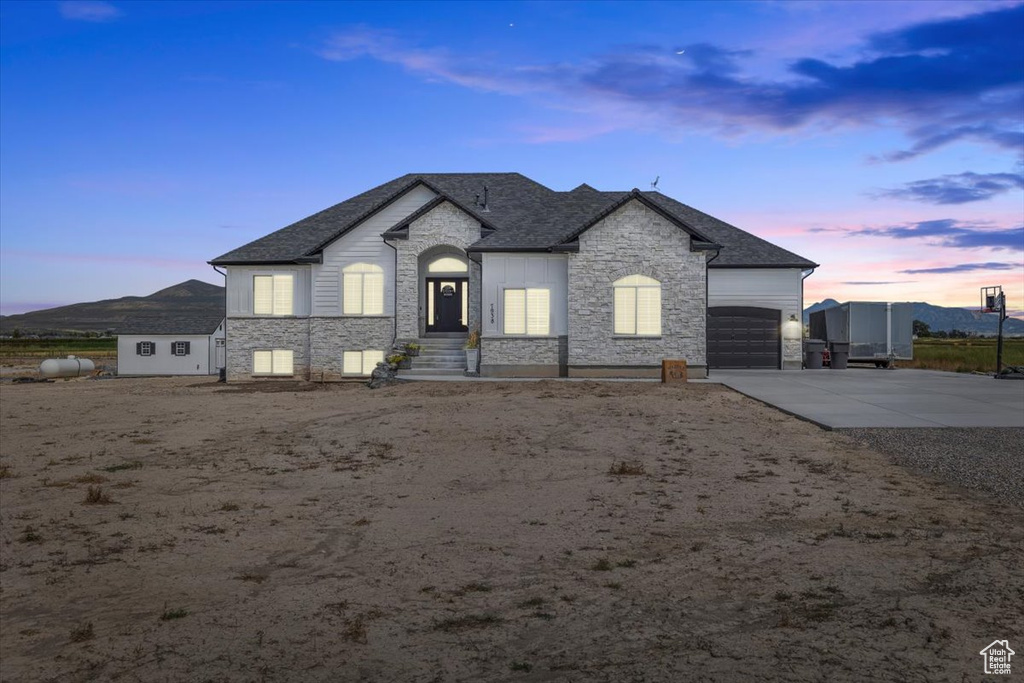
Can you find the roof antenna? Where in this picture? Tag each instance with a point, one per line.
(654, 185)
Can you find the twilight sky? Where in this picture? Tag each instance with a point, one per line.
(884, 140)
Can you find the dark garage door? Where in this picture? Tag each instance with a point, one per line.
(743, 337)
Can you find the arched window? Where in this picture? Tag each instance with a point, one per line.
(447, 264)
(363, 289)
(637, 306)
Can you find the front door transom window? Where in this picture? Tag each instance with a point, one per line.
(447, 264)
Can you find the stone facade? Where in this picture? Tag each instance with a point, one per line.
(246, 335)
(636, 241)
(445, 226)
(523, 357)
(331, 337)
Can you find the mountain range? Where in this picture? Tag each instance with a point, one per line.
(946, 319)
(189, 299)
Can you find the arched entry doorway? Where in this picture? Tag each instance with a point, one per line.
(444, 277)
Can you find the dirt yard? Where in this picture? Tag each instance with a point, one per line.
(184, 530)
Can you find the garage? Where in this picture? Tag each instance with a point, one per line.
(744, 337)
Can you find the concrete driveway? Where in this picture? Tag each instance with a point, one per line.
(870, 397)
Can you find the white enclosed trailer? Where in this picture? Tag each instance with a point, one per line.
(877, 331)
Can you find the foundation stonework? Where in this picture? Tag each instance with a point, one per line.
(636, 241)
(331, 337)
(245, 335)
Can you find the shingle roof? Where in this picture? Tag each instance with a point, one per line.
(523, 214)
(739, 248)
(170, 325)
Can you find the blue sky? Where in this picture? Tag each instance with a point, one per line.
(884, 140)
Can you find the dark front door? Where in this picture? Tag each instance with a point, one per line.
(744, 337)
(446, 304)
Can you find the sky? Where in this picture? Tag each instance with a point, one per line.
(883, 140)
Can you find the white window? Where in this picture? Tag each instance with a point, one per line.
(146, 348)
(363, 289)
(527, 311)
(638, 306)
(272, 294)
(181, 348)
(361, 362)
(447, 264)
(275, 362)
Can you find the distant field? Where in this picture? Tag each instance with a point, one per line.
(56, 348)
(964, 355)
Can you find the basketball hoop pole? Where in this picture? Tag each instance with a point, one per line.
(999, 342)
(993, 300)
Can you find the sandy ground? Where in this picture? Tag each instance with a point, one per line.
(478, 532)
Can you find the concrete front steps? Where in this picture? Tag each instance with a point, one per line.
(438, 356)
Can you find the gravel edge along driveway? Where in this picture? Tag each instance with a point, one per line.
(986, 459)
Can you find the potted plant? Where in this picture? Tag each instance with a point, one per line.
(473, 350)
(412, 349)
(400, 361)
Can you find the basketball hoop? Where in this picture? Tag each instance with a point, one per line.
(992, 300)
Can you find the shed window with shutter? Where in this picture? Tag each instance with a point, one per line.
(146, 348)
(272, 294)
(273, 362)
(180, 348)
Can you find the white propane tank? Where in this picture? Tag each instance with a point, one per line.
(66, 367)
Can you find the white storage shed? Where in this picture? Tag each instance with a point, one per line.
(175, 346)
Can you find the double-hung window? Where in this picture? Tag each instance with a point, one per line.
(363, 289)
(272, 294)
(527, 311)
(145, 348)
(180, 348)
(273, 362)
(361, 362)
(637, 306)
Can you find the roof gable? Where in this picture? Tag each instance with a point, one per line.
(635, 195)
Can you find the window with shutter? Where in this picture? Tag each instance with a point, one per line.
(527, 311)
(273, 294)
(362, 287)
(360, 363)
(273, 362)
(637, 306)
(145, 348)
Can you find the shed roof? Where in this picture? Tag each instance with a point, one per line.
(164, 325)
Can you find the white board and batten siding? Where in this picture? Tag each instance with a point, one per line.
(513, 271)
(363, 244)
(775, 288)
(240, 288)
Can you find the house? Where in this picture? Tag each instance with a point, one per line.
(171, 346)
(583, 283)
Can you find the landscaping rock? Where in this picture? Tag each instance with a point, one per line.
(383, 375)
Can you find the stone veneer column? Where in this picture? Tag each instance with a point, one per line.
(445, 225)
